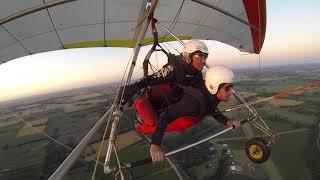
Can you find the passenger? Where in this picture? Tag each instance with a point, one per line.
(196, 102)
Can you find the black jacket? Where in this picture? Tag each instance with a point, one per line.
(195, 102)
(176, 72)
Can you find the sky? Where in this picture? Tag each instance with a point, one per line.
(292, 36)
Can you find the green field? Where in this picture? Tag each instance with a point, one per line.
(71, 115)
(290, 157)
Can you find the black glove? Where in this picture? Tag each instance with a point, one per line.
(128, 93)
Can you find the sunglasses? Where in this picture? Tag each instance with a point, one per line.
(202, 55)
(228, 87)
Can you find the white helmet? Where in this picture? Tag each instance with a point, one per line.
(217, 75)
(193, 46)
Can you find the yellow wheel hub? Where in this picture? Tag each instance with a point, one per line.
(255, 151)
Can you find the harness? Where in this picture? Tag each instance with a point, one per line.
(197, 95)
(148, 114)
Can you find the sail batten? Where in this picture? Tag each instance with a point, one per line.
(97, 23)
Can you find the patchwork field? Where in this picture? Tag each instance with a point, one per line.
(26, 130)
(67, 117)
(123, 140)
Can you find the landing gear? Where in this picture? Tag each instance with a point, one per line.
(122, 173)
(258, 150)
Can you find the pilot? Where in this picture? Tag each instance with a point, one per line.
(181, 70)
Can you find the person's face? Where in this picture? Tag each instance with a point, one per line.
(225, 92)
(199, 60)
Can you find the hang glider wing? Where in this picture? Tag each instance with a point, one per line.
(34, 26)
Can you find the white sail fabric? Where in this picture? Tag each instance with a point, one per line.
(95, 23)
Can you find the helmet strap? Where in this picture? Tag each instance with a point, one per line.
(190, 58)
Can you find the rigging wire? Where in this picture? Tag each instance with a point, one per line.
(122, 84)
(157, 60)
(109, 118)
(175, 20)
(259, 56)
(118, 161)
(46, 135)
(153, 68)
(318, 140)
(173, 47)
(173, 166)
(122, 88)
(140, 22)
(172, 25)
(284, 93)
(203, 20)
(259, 43)
(100, 147)
(116, 154)
(167, 49)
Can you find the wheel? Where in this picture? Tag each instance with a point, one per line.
(126, 173)
(257, 150)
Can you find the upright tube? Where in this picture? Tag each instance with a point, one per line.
(141, 35)
(68, 162)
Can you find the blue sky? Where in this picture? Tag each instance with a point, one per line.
(292, 36)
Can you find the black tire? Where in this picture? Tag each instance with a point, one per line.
(257, 150)
(127, 173)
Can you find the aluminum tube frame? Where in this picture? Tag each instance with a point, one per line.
(68, 162)
(148, 160)
(33, 10)
(164, 28)
(262, 126)
(141, 36)
(199, 142)
(112, 140)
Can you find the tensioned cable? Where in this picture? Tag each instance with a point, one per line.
(277, 96)
(118, 161)
(116, 154)
(259, 45)
(16, 39)
(284, 93)
(259, 55)
(167, 49)
(109, 118)
(44, 134)
(174, 22)
(100, 147)
(172, 47)
(173, 166)
(141, 21)
(318, 140)
(104, 22)
(153, 68)
(157, 60)
(54, 26)
(172, 25)
(114, 102)
(204, 19)
(117, 157)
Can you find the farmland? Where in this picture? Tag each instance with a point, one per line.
(67, 116)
